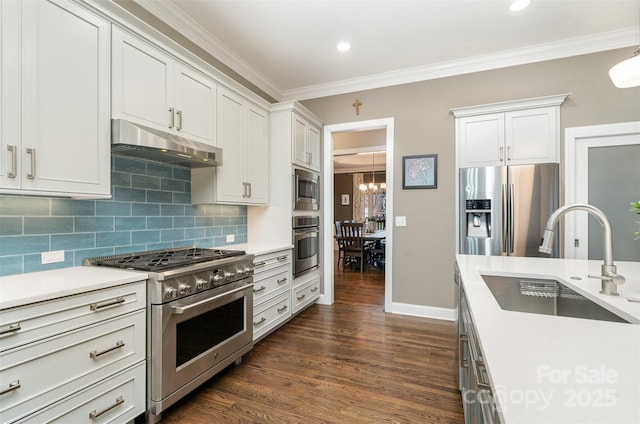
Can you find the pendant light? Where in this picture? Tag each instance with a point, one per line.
(627, 73)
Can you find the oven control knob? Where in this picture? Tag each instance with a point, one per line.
(247, 270)
(170, 293)
(184, 289)
(217, 278)
(201, 284)
(229, 275)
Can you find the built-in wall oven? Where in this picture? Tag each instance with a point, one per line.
(305, 243)
(306, 190)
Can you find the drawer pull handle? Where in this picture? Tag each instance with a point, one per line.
(94, 354)
(259, 264)
(95, 414)
(302, 296)
(259, 322)
(282, 280)
(12, 328)
(282, 258)
(259, 290)
(14, 385)
(96, 306)
(284, 308)
(313, 290)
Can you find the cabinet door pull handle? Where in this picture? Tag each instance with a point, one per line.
(179, 113)
(14, 161)
(284, 279)
(313, 290)
(259, 264)
(96, 306)
(171, 118)
(95, 354)
(11, 328)
(95, 414)
(259, 322)
(259, 290)
(249, 186)
(282, 258)
(302, 296)
(508, 152)
(284, 308)
(32, 152)
(501, 153)
(14, 385)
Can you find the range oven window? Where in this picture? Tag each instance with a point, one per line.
(205, 331)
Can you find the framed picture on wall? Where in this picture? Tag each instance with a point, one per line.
(420, 171)
(344, 199)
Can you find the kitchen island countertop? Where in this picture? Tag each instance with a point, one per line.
(23, 289)
(551, 369)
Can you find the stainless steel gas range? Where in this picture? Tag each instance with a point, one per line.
(199, 310)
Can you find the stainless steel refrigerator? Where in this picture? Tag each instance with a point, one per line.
(504, 209)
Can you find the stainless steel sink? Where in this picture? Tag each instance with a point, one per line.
(548, 297)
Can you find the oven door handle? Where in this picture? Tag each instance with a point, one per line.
(182, 309)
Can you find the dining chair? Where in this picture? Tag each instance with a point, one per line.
(354, 246)
(340, 243)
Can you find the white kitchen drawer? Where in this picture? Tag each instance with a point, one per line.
(270, 283)
(269, 315)
(263, 263)
(28, 323)
(51, 369)
(124, 392)
(305, 295)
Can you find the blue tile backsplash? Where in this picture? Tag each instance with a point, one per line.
(150, 209)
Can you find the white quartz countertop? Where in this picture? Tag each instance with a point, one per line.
(23, 289)
(554, 369)
(260, 248)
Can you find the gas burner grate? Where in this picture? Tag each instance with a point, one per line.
(160, 260)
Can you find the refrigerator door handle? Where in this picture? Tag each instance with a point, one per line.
(504, 219)
(512, 231)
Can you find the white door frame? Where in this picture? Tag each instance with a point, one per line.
(327, 202)
(578, 141)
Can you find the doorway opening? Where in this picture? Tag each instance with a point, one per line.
(329, 261)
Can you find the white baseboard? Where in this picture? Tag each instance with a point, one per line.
(433, 312)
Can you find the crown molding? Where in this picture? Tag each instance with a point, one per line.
(549, 51)
(185, 25)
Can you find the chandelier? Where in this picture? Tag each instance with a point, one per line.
(372, 187)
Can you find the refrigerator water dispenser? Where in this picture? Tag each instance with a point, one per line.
(478, 214)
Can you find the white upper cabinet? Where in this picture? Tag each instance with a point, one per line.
(509, 133)
(151, 88)
(305, 143)
(243, 135)
(54, 100)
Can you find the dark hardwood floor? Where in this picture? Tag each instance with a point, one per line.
(345, 363)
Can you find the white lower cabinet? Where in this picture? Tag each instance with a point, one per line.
(271, 292)
(76, 358)
(305, 294)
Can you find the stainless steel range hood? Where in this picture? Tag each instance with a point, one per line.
(129, 139)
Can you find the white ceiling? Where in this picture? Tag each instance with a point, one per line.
(287, 48)
(360, 162)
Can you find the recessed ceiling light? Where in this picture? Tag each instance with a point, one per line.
(519, 5)
(343, 46)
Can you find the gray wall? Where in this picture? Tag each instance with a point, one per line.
(423, 251)
(342, 184)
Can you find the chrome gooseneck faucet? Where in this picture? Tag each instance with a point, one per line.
(610, 279)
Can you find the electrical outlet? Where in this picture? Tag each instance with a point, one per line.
(52, 257)
(230, 238)
(401, 221)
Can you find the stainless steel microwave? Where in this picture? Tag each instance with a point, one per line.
(306, 190)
